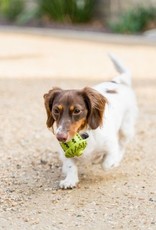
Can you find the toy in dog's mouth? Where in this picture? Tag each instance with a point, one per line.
(75, 146)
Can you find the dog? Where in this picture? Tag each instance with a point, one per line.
(106, 113)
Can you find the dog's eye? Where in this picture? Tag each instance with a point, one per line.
(76, 111)
(56, 111)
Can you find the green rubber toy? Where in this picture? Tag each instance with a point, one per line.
(74, 147)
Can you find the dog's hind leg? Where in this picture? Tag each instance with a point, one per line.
(127, 129)
(113, 156)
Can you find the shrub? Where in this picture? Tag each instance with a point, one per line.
(134, 20)
(80, 10)
(10, 9)
(67, 10)
(53, 9)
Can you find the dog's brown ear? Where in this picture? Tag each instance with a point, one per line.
(95, 103)
(48, 101)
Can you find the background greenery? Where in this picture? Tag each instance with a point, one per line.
(67, 10)
(10, 9)
(134, 20)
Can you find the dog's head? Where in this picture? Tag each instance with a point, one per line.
(73, 110)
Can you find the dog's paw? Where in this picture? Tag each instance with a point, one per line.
(110, 163)
(68, 183)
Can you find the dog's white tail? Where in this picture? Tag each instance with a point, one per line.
(125, 75)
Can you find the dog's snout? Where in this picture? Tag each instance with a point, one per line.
(62, 137)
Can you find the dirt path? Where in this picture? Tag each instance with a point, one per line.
(124, 198)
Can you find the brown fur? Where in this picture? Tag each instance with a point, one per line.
(74, 109)
(48, 101)
(75, 127)
(96, 105)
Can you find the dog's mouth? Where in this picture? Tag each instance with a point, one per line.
(63, 137)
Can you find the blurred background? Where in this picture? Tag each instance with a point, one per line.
(131, 16)
(64, 43)
(59, 25)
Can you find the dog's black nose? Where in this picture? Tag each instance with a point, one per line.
(62, 137)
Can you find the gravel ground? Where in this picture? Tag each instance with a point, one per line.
(124, 198)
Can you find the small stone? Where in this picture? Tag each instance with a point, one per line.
(54, 192)
(26, 219)
(35, 222)
(43, 162)
(18, 166)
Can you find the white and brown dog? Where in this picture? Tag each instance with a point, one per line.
(106, 113)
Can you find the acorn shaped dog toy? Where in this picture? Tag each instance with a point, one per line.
(75, 146)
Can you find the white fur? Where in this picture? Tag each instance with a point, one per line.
(108, 142)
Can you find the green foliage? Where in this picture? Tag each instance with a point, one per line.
(10, 9)
(28, 16)
(76, 11)
(54, 9)
(134, 20)
(80, 10)
(67, 10)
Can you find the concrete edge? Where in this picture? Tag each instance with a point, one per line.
(83, 35)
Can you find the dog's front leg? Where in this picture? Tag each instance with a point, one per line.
(70, 171)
